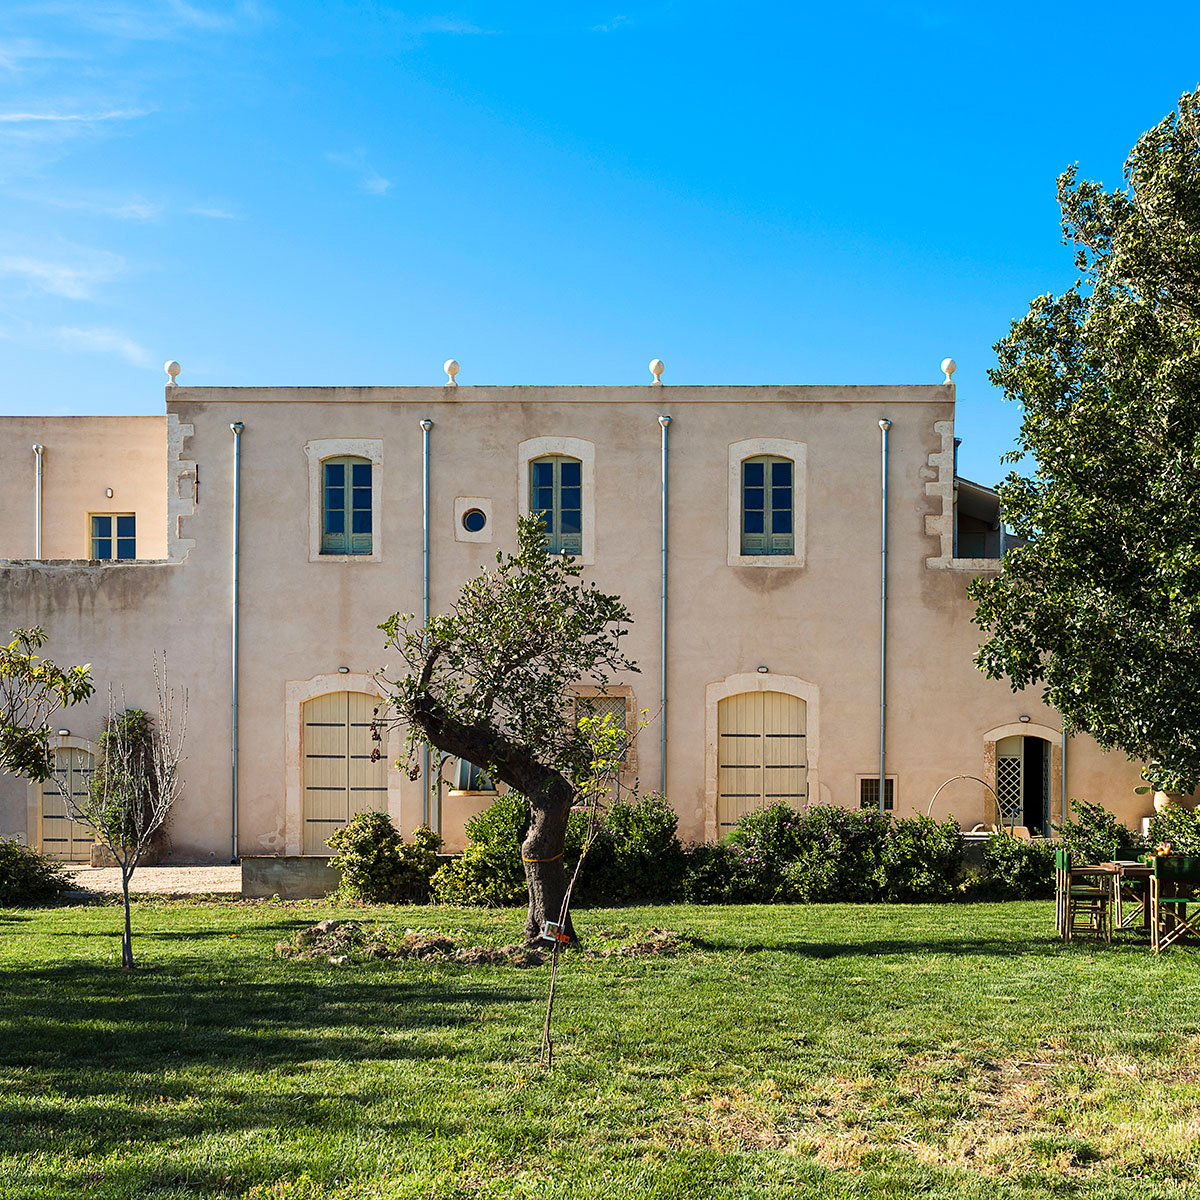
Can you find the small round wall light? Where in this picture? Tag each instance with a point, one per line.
(63, 732)
(762, 670)
(1024, 718)
(474, 519)
(343, 670)
(108, 492)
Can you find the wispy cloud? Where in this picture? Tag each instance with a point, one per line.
(155, 22)
(17, 53)
(73, 280)
(134, 208)
(450, 25)
(215, 214)
(101, 341)
(21, 118)
(620, 21)
(368, 178)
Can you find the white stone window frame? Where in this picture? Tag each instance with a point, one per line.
(462, 506)
(569, 447)
(939, 482)
(873, 776)
(614, 691)
(778, 448)
(317, 452)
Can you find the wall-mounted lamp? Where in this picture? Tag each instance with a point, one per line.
(346, 671)
(762, 670)
(108, 492)
(63, 732)
(1024, 718)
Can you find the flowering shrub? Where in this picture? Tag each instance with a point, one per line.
(636, 855)
(1014, 869)
(840, 855)
(922, 859)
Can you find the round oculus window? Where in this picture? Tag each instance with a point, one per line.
(474, 519)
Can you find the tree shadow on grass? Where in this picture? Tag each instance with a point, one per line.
(1004, 947)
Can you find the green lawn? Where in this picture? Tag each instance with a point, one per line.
(833, 1051)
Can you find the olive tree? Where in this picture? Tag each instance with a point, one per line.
(1101, 602)
(491, 682)
(32, 690)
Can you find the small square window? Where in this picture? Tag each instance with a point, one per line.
(113, 536)
(868, 793)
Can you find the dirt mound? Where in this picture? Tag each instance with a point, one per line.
(344, 941)
(653, 942)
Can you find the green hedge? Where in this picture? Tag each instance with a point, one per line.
(28, 878)
(378, 866)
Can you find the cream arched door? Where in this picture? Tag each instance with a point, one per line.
(62, 836)
(762, 754)
(340, 780)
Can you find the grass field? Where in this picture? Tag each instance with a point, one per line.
(833, 1051)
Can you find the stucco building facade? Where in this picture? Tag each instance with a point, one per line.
(119, 533)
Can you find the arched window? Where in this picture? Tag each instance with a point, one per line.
(768, 526)
(556, 491)
(346, 506)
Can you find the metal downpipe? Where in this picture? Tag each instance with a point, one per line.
(235, 631)
(884, 426)
(427, 782)
(664, 421)
(38, 451)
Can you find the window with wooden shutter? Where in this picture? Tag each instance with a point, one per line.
(556, 492)
(346, 506)
(768, 525)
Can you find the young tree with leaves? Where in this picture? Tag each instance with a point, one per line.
(491, 682)
(32, 690)
(133, 787)
(1100, 601)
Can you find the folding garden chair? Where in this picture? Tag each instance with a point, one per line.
(1173, 887)
(1083, 899)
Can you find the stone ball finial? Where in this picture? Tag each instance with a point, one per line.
(657, 367)
(949, 366)
(451, 368)
(172, 369)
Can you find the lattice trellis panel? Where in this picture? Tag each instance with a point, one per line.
(602, 706)
(1008, 790)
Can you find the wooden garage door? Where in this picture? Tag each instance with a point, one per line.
(61, 836)
(340, 780)
(761, 754)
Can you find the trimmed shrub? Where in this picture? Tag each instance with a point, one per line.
(636, 855)
(841, 856)
(378, 866)
(1014, 869)
(922, 859)
(1096, 836)
(490, 872)
(28, 878)
(714, 873)
(765, 844)
(1178, 828)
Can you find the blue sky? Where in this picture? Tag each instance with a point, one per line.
(320, 193)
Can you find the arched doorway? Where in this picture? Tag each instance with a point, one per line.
(762, 754)
(339, 778)
(1023, 782)
(61, 835)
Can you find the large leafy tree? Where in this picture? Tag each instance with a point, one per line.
(491, 681)
(32, 690)
(1101, 603)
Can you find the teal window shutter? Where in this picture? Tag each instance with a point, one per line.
(768, 514)
(556, 492)
(346, 487)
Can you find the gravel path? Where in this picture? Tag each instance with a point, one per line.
(163, 881)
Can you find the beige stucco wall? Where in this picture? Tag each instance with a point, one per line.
(83, 457)
(812, 623)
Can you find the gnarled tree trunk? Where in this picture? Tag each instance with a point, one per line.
(542, 852)
(550, 797)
